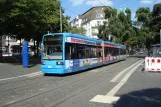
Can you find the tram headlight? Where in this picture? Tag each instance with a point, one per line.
(59, 63)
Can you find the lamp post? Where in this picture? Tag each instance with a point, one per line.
(60, 17)
(8, 45)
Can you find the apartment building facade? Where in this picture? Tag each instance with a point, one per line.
(91, 20)
(76, 22)
(12, 45)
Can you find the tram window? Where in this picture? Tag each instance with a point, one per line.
(106, 52)
(87, 49)
(122, 52)
(90, 52)
(110, 52)
(99, 51)
(67, 51)
(93, 52)
(74, 52)
(81, 51)
(116, 52)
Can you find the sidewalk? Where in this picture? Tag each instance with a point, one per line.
(12, 68)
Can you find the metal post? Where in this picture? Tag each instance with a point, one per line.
(8, 45)
(60, 18)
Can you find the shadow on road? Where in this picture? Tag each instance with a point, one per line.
(142, 98)
(33, 61)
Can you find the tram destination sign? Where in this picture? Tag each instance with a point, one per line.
(80, 41)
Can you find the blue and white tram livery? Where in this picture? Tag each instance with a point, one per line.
(66, 52)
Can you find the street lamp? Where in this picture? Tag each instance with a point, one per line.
(8, 45)
(60, 17)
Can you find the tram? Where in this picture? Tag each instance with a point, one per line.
(64, 53)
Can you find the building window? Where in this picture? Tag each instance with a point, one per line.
(100, 15)
(98, 23)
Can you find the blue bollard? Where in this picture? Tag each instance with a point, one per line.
(25, 54)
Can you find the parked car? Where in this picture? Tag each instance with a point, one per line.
(30, 53)
(16, 54)
(7, 54)
(141, 52)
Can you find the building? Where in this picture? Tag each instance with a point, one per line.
(12, 45)
(92, 19)
(76, 22)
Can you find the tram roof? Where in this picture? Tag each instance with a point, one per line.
(85, 37)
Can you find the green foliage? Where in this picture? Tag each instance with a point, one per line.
(150, 23)
(119, 26)
(76, 30)
(144, 32)
(155, 22)
(142, 15)
(30, 19)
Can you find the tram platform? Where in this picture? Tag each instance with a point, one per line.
(9, 67)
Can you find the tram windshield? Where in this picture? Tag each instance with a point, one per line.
(52, 48)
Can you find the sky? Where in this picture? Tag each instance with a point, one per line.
(75, 7)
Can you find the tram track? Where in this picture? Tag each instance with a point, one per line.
(28, 80)
(22, 83)
(23, 98)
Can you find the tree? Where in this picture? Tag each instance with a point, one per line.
(119, 25)
(30, 19)
(155, 22)
(106, 30)
(76, 30)
(143, 16)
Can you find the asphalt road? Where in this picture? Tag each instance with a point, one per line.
(132, 87)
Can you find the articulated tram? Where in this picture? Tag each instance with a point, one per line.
(66, 52)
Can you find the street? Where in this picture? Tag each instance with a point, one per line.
(121, 84)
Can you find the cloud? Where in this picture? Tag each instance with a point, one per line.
(77, 2)
(133, 15)
(92, 2)
(158, 1)
(146, 1)
(99, 2)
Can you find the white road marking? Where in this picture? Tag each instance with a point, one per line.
(105, 99)
(109, 97)
(122, 72)
(33, 75)
(94, 70)
(27, 75)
